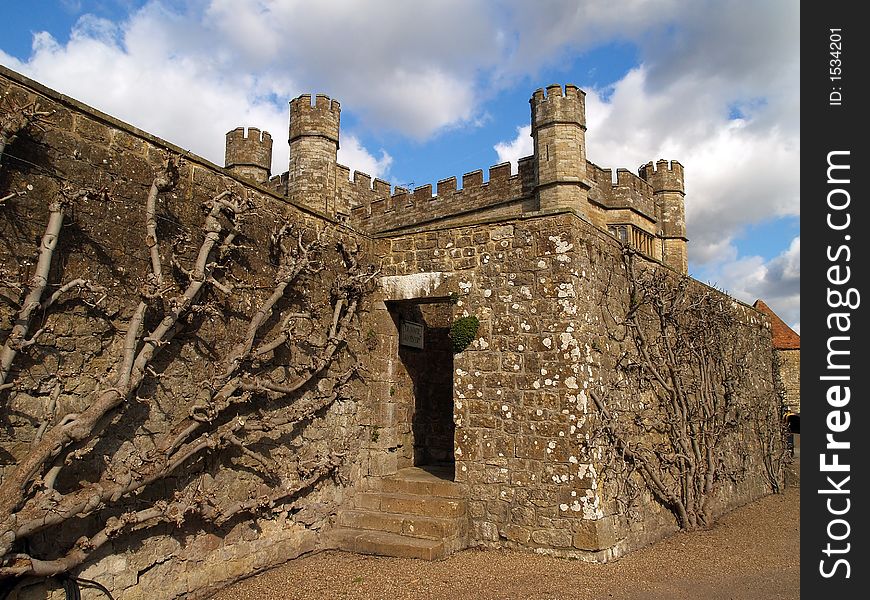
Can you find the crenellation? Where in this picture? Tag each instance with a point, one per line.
(526, 170)
(446, 186)
(362, 179)
(472, 179)
(358, 213)
(320, 119)
(249, 153)
(422, 194)
(554, 106)
(377, 207)
(499, 173)
(381, 187)
(407, 208)
(663, 176)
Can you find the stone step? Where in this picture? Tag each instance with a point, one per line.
(434, 528)
(382, 543)
(409, 504)
(431, 486)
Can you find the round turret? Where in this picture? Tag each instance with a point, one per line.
(314, 152)
(559, 133)
(249, 154)
(320, 120)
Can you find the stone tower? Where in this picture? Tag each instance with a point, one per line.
(249, 156)
(559, 133)
(669, 194)
(313, 152)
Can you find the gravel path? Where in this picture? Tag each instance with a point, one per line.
(752, 553)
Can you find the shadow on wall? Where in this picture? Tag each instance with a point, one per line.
(430, 369)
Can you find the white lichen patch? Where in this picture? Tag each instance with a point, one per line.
(566, 290)
(592, 506)
(562, 246)
(571, 382)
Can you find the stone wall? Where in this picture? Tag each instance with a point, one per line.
(103, 239)
(539, 286)
(790, 374)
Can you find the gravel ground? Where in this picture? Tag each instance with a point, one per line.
(752, 553)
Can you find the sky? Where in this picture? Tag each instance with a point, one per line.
(436, 88)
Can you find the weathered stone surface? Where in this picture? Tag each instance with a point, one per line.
(534, 256)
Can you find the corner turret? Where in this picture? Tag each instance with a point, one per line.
(313, 152)
(667, 181)
(559, 133)
(249, 155)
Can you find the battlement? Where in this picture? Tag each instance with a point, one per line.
(557, 176)
(664, 176)
(628, 191)
(320, 119)
(249, 153)
(558, 106)
(406, 208)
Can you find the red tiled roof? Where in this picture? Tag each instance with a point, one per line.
(784, 337)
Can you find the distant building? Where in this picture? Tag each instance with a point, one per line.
(787, 346)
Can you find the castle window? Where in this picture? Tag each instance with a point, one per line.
(633, 236)
(620, 232)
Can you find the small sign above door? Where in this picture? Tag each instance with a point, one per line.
(411, 334)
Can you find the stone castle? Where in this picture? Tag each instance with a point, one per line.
(646, 211)
(433, 448)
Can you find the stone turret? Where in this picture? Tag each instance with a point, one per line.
(669, 194)
(559, 133)
(313, 152)
(249, 155)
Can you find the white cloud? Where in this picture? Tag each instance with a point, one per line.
(353, 153)
(776, 281)
(191, 71)
(134, 72)
(517, 148)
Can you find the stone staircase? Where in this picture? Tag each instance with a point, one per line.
(416, 513)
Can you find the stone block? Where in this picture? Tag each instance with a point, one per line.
(552, 538)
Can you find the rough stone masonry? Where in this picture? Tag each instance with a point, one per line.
(536, 419)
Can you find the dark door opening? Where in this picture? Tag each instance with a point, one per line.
(430, 369)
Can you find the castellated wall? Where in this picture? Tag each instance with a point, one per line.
(502, 195)
(628, 199)
(542, 283)
(103, 239)
(542, 287)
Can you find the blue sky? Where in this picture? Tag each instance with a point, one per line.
(436, 88)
